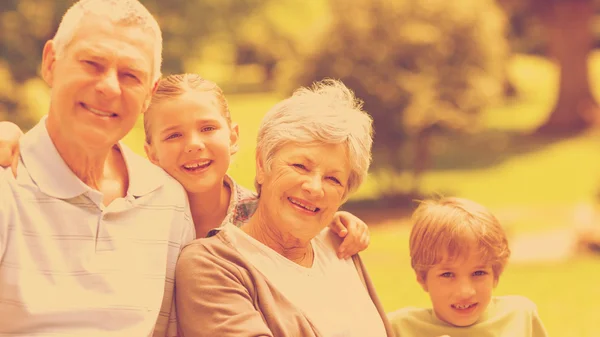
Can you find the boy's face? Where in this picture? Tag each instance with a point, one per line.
(460, 289)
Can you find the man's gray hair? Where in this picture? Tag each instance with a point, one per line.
(126, 12)
(327, 113)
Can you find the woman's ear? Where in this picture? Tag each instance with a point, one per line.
(260, 169)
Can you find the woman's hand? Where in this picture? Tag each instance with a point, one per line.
(354, 231)
(10, 134)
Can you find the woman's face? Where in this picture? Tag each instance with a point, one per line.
(304, 188)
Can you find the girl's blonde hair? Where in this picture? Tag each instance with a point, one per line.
(176, 85)
(449, 228)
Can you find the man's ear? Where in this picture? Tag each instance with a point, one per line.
(149, 98)
(48, 62)
(234, 139)
(422, 282)
(151, 153)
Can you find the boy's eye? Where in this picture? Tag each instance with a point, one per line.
(447, 274)
(173, 135)
(208, 128)
(480, 273)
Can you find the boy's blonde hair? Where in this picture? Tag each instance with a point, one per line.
(447, 228)
(174, 86)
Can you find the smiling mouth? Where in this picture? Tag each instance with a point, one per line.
(98, 112)
(464, 306)
(304, 206)
(197, 166)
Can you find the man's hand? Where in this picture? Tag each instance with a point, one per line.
(10, 134)
(354, 231)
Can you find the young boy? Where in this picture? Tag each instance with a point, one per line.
(458, 250)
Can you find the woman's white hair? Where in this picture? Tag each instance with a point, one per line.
(126, 12)
(327, 113)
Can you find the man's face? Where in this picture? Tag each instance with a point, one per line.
(101, 83)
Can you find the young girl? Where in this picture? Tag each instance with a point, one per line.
(189, 133)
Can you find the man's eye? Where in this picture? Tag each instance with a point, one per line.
(91, 64)
(131, 76)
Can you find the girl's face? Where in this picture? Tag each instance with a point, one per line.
(192, 140)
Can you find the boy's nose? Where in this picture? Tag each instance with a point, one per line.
(466, 290)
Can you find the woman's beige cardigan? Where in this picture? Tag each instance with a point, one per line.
(220, 294)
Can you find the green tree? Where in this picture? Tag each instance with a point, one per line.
(420, 67)
(564, 28)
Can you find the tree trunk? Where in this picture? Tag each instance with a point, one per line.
(568, 24)
(421, 156)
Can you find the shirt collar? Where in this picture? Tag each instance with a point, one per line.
(146, 177)
(53, 177)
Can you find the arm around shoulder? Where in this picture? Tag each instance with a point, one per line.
(213, 295)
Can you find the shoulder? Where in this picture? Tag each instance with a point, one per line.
(514, 305)
(7, 187)
(412, 321)
(514, 302)
(212, 259)
(401, 316)
(216, 249)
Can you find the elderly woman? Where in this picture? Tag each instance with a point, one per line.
(278, 274)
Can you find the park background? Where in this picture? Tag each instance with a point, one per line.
(491, 100)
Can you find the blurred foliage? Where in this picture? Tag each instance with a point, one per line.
(25, 25)
(418, 65)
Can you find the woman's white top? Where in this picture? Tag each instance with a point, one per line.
(330, 293)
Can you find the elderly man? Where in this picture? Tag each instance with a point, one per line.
(86, 246)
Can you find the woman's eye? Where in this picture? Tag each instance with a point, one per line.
(335, 180)
(300, 166)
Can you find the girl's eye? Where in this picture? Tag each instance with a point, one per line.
(173, 135)
(300, 166)
(446, 274)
